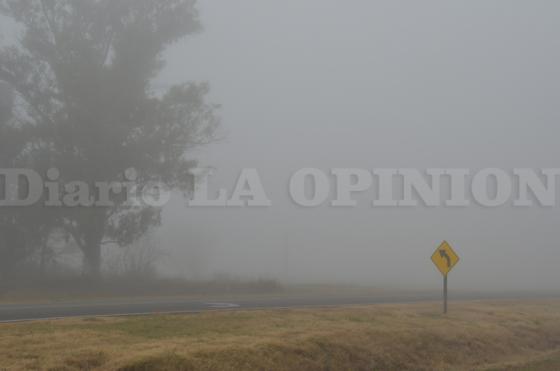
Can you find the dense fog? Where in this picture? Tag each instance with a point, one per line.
(371, 85)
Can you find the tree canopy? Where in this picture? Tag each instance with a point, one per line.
(81, 73)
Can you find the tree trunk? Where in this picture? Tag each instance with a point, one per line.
(43, 261)
(92, 259)
(92, 249)
(93, 232)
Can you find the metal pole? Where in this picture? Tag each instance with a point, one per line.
(445, 294)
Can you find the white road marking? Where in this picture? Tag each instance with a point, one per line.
(222, 305)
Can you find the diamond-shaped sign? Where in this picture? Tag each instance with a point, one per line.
(445, 258)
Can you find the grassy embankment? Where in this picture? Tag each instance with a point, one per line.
(76, 288)
(494, 336)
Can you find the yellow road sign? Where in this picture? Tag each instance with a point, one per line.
(445, 258)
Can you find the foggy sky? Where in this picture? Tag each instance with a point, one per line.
(379, 84)
(373, 84)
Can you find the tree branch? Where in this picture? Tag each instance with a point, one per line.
(49, 22)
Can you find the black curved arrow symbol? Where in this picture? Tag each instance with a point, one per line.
(444, 255)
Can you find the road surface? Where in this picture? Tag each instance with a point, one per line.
(30, 312)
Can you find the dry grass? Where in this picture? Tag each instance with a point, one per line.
(383, 337)
(37, 289)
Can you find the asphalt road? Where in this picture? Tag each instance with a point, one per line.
(29, 312)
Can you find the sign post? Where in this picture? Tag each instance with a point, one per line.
(445, 294)
(445, 258)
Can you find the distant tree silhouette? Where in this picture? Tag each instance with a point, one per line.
(81, 74)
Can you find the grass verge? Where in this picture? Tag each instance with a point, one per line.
(475, 335)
